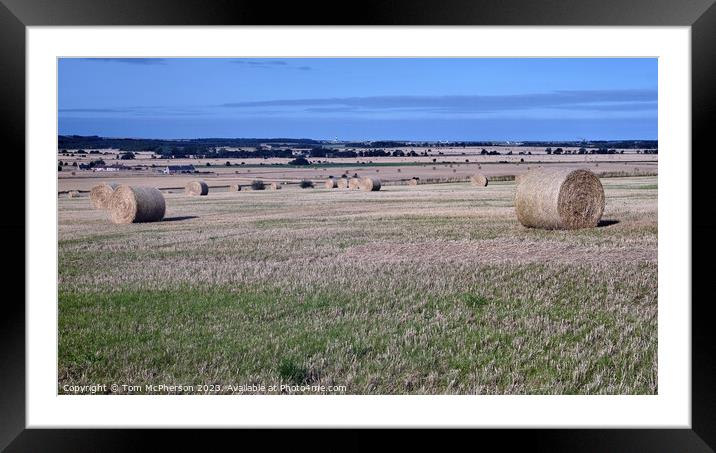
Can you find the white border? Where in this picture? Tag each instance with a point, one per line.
(670, 408)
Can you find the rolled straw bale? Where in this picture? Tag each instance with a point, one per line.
(354, 183)
(195, 188)
(234, 188)
(136, 204)
(414, 181)
(275, 186)
(369, 184)
(73, 194)
(343, 183)
(559, 199)
(101, 193)
(331, 183)
(478, 180)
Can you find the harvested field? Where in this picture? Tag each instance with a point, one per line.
(430, 289)
(392, 169)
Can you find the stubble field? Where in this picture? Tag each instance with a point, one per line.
(430, 289)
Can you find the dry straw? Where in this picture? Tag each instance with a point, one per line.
(234, 188)
(414, 181)
(343, 183)
(331, 183)
(100, 195)
(73, 194)
(478, 180)
(195, 188)
(354, 183)
(136, 204)
(275, 186)
(369, 184)
(559, 199)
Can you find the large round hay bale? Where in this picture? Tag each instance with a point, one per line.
(354, 183)
(276, 186)
(136, 204)
(414, 181)
(518, 178)
(331, 183)
(559, 199)
(234, 188)
(369, 184)
(478, 180)
(195, 188)
(343, 183)
(100, 195)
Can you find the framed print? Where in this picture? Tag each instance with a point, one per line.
(428, 216)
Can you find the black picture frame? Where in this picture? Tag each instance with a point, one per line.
(700, 15)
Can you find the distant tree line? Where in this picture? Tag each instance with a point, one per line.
(289, 148)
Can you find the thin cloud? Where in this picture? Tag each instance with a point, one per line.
(260, 63)
(576, 103)
(87, 110)
(133, 61)
(584, 99)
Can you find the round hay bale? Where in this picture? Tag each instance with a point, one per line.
(559, 199)
(275, 186)
(73, 194)
(195, 188)
(479, 180)
(343, 183)
(331, 183)
(518, 178)
(234, 188)
(354, 183)
(136, 204)
(369, 184)
(100, 195)
(414, 181)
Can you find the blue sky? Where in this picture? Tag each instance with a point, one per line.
(360, 98)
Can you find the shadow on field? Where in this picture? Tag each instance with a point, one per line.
(179, 218)
(606, 223)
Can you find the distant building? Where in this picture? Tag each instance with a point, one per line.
(109, 168)
(173, 169)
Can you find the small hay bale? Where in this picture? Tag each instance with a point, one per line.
(234, 188)
(414, 181)
(100, 195)
(369, 184)
(73, 194)
(343, 183)
(275, 186)
(478, 180)
(559, 199)
(136, 204)
(331, 183)
(196, 188)
(354, 183)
